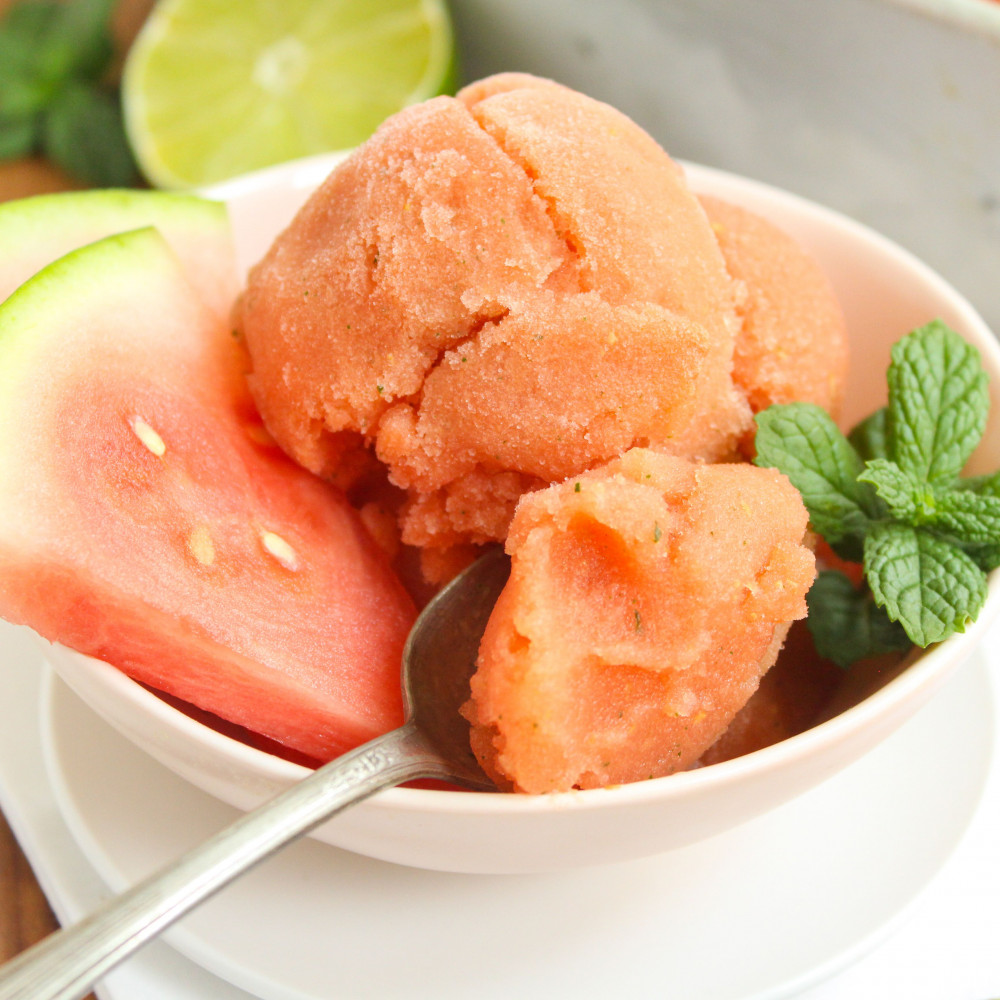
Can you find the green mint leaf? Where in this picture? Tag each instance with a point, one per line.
(870, 438)
(22, 91)
(802, 441)
(962, 516)
(893, 496)
(27, 22)
(21, 96)
(26, 84)
(968, 517)
(44, 43)
(83, 133)
(988, 485)
(929, 586)
(22, 34)
(78, 42)
(846, 624)
(938, 402)
(17, 135)
(986, 557)
(906, 497)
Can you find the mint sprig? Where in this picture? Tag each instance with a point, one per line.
(931, 587)
(802, 441)
(869, 437)
(891, 496)
(54, 95)
(846, 623)
(938, 402)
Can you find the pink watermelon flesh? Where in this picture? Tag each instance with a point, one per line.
(147, 519)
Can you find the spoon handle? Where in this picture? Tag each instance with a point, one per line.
(67, 963)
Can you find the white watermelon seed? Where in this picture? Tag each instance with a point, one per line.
(280, 549)
(148, 437)
(201, 545)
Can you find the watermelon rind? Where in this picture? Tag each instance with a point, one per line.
(35, 353)
(38, 230)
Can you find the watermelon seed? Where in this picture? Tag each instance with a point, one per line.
(201, 546)
(148, 437)
(280, 549)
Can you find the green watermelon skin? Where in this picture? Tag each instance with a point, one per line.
(36, 231)
(146, 518)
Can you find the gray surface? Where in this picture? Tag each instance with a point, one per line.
(889, 112)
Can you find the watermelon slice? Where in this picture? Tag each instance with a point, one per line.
(147, 519)
(36, 231)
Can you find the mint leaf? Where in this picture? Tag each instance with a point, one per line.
(870, 438)
(938, 402)
(25, 84)
(82, 131)
(905, 496)
(986, 557)
(77, 41)
(27, 23)
(967, 516)
(988, 486)
(47, 42)
(962, 515)
(846, 624)
(17, 136)
(22, 92)
(932, 588)
(23, 29)
(892, 495)
(53, 56)
(802, 441)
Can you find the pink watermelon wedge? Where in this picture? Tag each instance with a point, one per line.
(148, 520)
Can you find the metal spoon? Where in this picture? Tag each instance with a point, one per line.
(438, 660)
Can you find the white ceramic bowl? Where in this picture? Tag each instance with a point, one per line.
(885, 292)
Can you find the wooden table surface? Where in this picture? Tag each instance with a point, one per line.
(25, 916)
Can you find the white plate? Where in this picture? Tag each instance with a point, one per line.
(70, 883)
(762, 911)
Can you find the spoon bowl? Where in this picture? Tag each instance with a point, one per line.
(438, 660)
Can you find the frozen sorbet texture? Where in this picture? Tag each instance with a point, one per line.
(792, 344)
(506, 288)
(507, 318)
(647, 599)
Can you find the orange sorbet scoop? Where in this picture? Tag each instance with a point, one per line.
(646, 600)
(792, 344)
(495, 292)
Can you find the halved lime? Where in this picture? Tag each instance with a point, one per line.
(215, 88)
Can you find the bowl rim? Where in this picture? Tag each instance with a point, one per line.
(922, 675)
